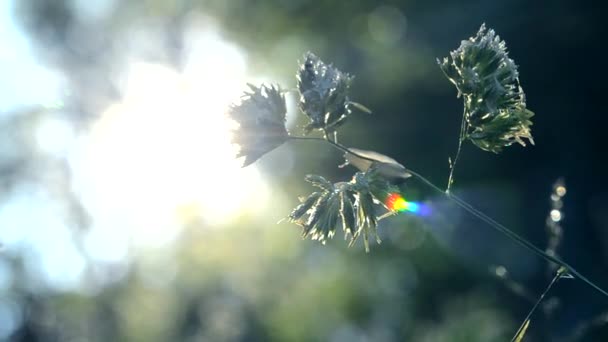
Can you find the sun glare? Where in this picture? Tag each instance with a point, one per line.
(163, 154)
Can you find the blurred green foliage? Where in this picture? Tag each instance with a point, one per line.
(255, 280)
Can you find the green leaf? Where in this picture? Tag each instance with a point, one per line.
(385, 166)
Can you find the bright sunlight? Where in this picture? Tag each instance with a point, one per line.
(162, 156)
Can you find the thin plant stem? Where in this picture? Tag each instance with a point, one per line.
(336, 145)
(509, 233)
(558, 275)
(480, 215)
(461, 138)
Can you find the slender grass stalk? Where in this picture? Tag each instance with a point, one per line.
(480, 215)
(512, 235)
(558, 275)
(463, 133)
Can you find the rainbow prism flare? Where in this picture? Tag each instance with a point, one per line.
(395, 202)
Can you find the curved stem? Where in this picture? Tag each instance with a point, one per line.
(480, 215)
(560, 272)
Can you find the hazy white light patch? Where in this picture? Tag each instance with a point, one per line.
(93, 10)
(18, 219)
(107, 243)
(163, 154)
(10, 316)
(214, 68)
(54, 135)
(31, 227)
(59, 263)
(292, 100)
(6, 276)
(500, 271)
(24, 81)
(556, 215)
(157, 269)
(387, 25)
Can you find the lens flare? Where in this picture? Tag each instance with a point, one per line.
(396, 202)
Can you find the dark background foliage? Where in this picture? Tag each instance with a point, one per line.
(251, 279)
